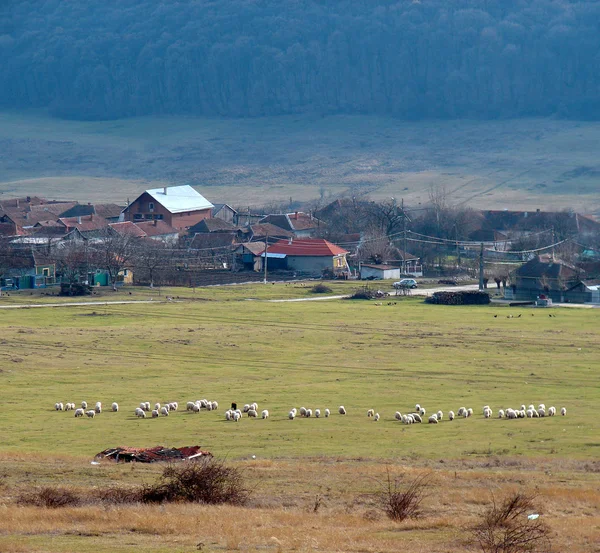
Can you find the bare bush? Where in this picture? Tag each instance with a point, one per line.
(506, 528)
(401, 501)
(204, 481)
(50, 497)
(321, 289)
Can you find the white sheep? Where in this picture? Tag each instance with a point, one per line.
(470, 412)
(342, 410)
(541, 412)
(308, 413)
(407, 419)
(417, 407)
(440, 415)
(542, 407)
(303, 411)
(535, 414)
(214, 405)
(143, 406)
(488, 413)
(139, 412)
(246, 407)
(58, 406)
(84, 405)
(157, 406)
(196, 408)
(254, 406)
(228, 415)
(328, 412)
(422, 411)
(317, 413)
(461, 411)
(236, 416)
(398, 416)
(295, 411)
(265, 414)
(376, 417)
(511, 414)
(91, 413)
(252, 413)
(523, 408)
(433, 419)
(563, 411)
(154, 414)
(69, 406)
(451, 415)
(114, 407)
(79, 412)
(500, 413)
(551, 411)
(529, 413)
(164, 411)
(370, 413)
(485, 408)
(189, 406)
(291, 415)
(98, 407)
(531, 406)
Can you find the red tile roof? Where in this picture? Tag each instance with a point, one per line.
(85, 223)
(312, 247)
(156, 228)
(128, 228)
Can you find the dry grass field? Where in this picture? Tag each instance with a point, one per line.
(314, 481)
(513, 164)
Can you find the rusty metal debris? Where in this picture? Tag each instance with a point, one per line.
(152, 454)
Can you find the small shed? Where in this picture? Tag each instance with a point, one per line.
(379, 272)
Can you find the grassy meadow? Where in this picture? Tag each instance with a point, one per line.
(386, 355)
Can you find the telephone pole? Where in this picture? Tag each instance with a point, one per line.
(481, 267)
(404, 234)
(265, 261)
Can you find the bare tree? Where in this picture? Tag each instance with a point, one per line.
(72, 261)
(115, 252)
(153, 256)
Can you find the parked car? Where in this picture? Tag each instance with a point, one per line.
(406, 283)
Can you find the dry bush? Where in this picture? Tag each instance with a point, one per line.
(118, 495)
(505, 527)
(50, 497)
(400, 501)
(205, 481)
(321, 289)
(363, 293)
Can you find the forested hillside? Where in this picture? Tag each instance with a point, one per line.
(97, 59)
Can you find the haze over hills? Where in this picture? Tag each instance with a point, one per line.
(263, 101)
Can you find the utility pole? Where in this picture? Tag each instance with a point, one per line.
(404, 234)
(553, 242)
(457, 248)
(265, 261)
(481, 267)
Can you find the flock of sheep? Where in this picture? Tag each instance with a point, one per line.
(251, 411)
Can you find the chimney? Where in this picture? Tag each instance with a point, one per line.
(296, 215)
(165, 190)
(79, 220)
(17, 202)
(155, 222)
(28, 199)
(290, 241)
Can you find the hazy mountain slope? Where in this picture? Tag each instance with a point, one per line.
(525, 163)
(98, 59)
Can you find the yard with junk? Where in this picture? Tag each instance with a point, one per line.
(276, 482)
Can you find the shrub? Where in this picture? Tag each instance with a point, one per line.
(401, 502)
(321, 289)
(506, 528)
(203, 481)
(118, 495)
(75, 289)
(50, 497)
(363, 293)
(459, 298)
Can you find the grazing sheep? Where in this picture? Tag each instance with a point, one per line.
(114, 406)
(485, 408)
(451, 415)
(173, 406)
(407, 419)
(433, 419)
(228, 414)
(246, 408)
(91, 413)
(563, 411)
(470, 411)
(529, 413)
(542, 407)
(252, 413)
(303, 411)
(370, 413)
(523, 408)
(164, 411)
(209, 406)
(461, 411)
(58, 406)
(417, 407)
(487, 413)
(143, 406)
(376, 417)
(422, 412)
(416, 417)
(500, 413)
(521, 414)
(309, 413)
(541, 412)
(236, 416)
(214, 405)
(79, 412)
(98, 407)
(551, 411)
(196, 408)
(68, 406)
(265, 414)
(317, 413)
(291, 415)
(155, 414)
(295, 411)
(531, 406)
(328, 412)
(189, 406)
(203, 403)
(342, 410)
(254, 406)
(440, 415)
(157, 406)
(398, 416)
(140, 413)
(84, 404)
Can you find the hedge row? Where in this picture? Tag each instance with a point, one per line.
(459, 298)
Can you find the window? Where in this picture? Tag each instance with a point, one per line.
(158, 216)
(138, 217)
(46, 272)
(150, 206)
(148, 216)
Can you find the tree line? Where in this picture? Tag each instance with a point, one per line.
(416, 59)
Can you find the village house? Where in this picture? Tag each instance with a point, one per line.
(212, 225)
(309, 256)
(27, 270)
(302, 225)
(181, 207)
(263, 231)
(226, 213)
(369, 271)
(249, 256)
(159, 230)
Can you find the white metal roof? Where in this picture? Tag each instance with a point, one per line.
(180, 198)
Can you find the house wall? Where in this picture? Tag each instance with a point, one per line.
(368, 272)
(227, 214)
(310, 264)
(179, 221)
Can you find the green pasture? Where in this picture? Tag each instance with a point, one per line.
(381, 355)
